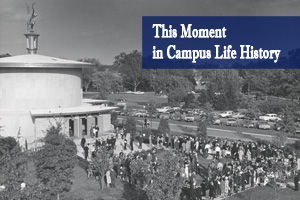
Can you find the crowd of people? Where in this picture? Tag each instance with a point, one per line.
(90, 149)
(234, 165)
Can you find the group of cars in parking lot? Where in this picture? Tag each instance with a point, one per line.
(265, 122)
(229, 118)
(175, 113)
(226, 118)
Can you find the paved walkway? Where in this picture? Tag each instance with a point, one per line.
(119, 144)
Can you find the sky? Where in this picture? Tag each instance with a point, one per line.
(102, 29)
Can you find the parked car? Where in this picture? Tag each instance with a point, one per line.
(187, 111)
(248, 124)
(264, 125)
(231, 122)
(226, 114)
(124, 113)
(141, 113)
(176, 108)
(163, 109)
(238, 116)
(270, 117)
(216, 121)
(176, 117)
(189, 118)
(197, 111)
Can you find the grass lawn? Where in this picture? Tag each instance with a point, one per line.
(138, 98)
(133, 101)
(134, 98)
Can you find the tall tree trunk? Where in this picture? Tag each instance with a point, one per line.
(100, 182)
(135, 86)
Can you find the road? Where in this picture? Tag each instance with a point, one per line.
(216, 132)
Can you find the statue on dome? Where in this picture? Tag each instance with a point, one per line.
(31, 23)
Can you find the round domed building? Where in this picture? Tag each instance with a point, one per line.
(37, 90)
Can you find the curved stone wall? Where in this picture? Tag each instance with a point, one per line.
(40, 88)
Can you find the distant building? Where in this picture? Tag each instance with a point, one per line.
(37, 90)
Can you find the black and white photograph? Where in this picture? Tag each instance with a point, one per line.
(82, 117)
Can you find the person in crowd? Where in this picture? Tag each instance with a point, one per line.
(193, 191)
(226, 187)
(92, 131)
(203, 188)
(141, 141)
(296, 181)
(83, 141)
(131, 143)
(125, 144)
(86, 152)
(212, 190)
(108, 178)
(97, 131)
(113, 176)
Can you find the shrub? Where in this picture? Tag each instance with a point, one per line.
(297, 145)
(163, 126)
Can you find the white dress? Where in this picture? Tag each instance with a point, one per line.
(108, 178)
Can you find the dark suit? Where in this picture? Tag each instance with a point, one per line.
(296, 181)
(82, 142)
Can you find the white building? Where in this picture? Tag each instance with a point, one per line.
(37, 90)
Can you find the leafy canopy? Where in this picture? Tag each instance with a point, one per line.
(55, 162)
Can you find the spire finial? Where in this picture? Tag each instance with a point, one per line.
(31, 23)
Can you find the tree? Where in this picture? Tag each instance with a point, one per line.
(189, 101)
(287, 122)
(287, 125)
(271, 106)
(223, 88)
(13, 164)
(130, 67)
(130, 126)
(139, 171)
(106, 83)
(207, 109)
(151, 109)
(55, 162)
(173, 85)
(100, 164)
(202, 128)
(163, 126)
(87, 73)
(252, 108)
(166, 182)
